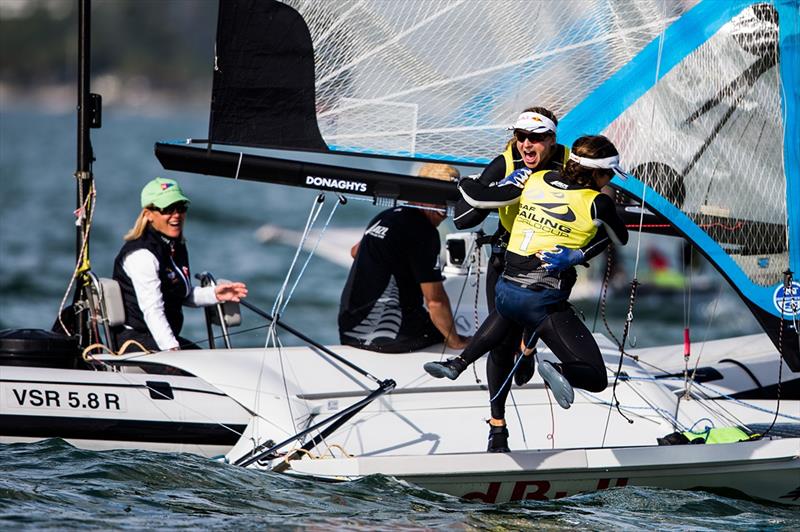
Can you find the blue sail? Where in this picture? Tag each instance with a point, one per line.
(760, 252)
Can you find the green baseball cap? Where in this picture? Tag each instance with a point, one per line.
(162, 193)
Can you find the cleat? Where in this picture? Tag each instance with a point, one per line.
(561, 388)
(498, 440)
(524, 371)
(450, 368)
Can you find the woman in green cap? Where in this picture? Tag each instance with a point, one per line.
(152, 269)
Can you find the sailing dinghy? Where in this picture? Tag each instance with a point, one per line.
(331, 85)
(700, 97)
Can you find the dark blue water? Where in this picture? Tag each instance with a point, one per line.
(53, 485)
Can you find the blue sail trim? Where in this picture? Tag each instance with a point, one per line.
(620, 91)
(759, 295)
(607, 102)
(789, 42)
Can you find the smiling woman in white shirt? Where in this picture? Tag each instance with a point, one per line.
(152, 269)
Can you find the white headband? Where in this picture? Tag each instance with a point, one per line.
(535, 123)
(609, 163)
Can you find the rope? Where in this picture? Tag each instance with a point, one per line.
(337, 446)
(691, 381)
(454, 312)
(507, 379)
(88, 358)
(301, 451)
(666, 415)
(287, 457)
(787, 286)
(129, 343)
(625, 330)
(478, 253)
(280, 306)
(82, 259)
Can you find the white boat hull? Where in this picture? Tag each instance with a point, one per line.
(768, 470)
(291, 388)
(110, 410)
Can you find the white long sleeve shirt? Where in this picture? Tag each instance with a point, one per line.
(142, 268)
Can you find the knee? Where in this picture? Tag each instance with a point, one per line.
(597, 384)
(598, 379)
(587, 377)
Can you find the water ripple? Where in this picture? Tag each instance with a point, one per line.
(51, 484)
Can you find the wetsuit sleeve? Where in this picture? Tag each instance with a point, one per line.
(484, 194)
(142, 268)
(489, 197)
(604, 210)
(465, 215)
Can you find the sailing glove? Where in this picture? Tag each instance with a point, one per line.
(518, 178)
(562, 259)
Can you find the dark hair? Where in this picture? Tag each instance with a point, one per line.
(593, 147)
(544, 112)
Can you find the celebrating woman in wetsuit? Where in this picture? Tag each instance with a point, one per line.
(152, 269)
(563, 220)
(533, 147)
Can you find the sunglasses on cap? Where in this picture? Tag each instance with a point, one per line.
(179, 207)
(521, 135)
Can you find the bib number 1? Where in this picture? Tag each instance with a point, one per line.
(526, 240)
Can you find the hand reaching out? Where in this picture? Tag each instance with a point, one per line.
(230, 292)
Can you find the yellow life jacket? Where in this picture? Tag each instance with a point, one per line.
(509, 212)
(549, 215)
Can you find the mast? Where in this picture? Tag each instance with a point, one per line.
(89, 106)
(88, 117)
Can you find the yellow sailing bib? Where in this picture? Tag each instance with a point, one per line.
(549, 215)
(509, 212)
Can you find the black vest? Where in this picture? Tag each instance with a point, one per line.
(173, 271)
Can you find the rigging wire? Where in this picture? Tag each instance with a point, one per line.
(272, 335)
(316, 208)
(341, 201)
(635, 282)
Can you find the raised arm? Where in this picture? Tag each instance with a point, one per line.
(465, 215)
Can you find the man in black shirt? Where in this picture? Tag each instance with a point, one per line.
(396, 269)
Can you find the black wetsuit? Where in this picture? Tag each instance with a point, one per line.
(467, 216)
(382, 303)
(556, 324)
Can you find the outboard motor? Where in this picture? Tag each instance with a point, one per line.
(39, 348)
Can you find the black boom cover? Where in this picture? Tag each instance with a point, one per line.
(263, 92)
